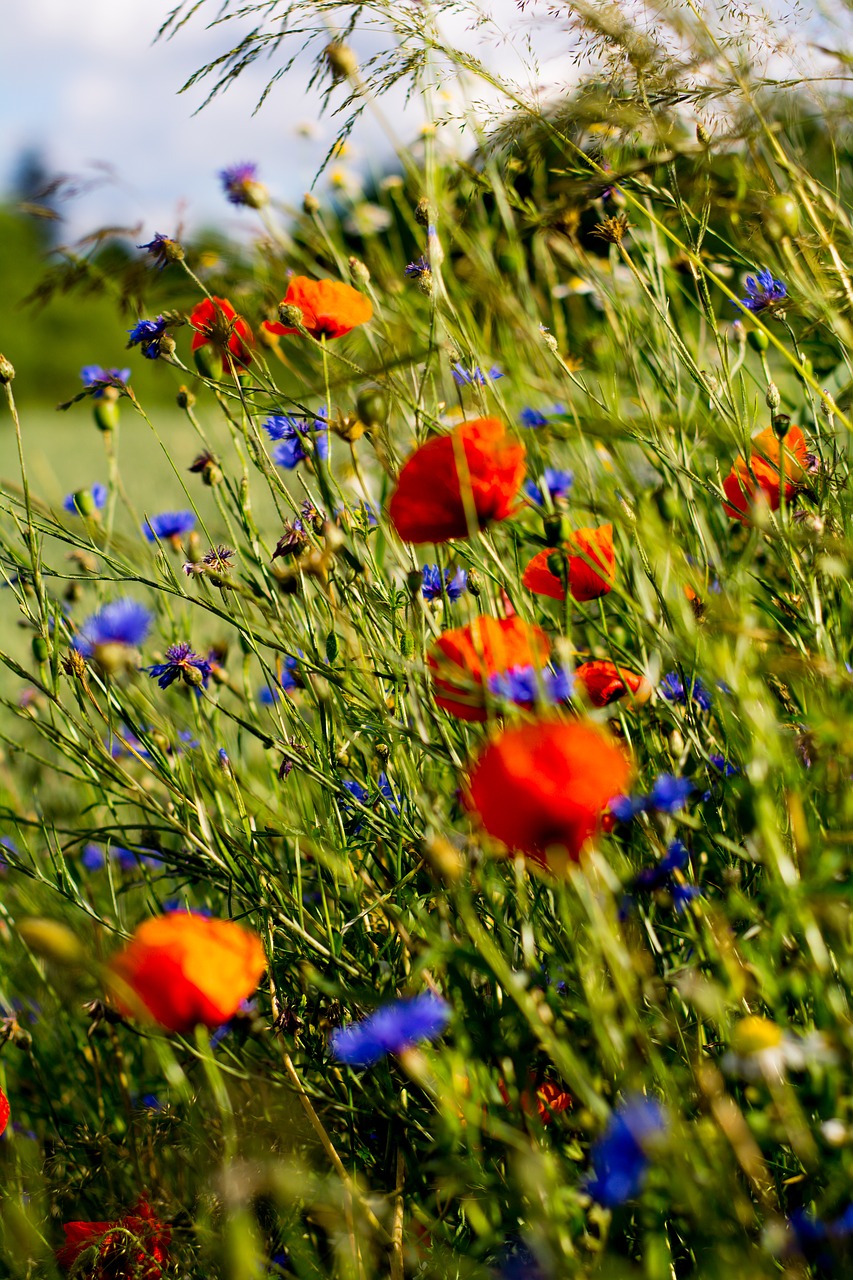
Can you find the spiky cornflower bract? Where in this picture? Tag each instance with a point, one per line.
(672, 689)
(148, 335)
(474, 375)
(391, 1029)
(122, 622)
(764, 293)
(555, 482)
(97, 380)
(292, 435)
(169, 524)
(181, 664)
(619, 1157)
(241, 186)
(163, 249)
(454, 585)
(75, 503)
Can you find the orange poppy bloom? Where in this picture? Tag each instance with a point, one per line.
(585, 582)
(758, 480)
(458, 482)
(329, 308)
(604, 682)
(135, 1247)
(188, 970)
(545, 785)
(550, 1099)
(216, 322)
(463, 660)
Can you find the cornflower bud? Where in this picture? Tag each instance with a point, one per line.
(310, 204)
(291, 316)
(423, 212)
(341, 59)
(359, 271)
(758, 340)
(772, 398)
(185, 398)
(7, 370)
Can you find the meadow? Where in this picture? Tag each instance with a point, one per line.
(426, 708)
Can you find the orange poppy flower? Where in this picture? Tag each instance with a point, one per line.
(216, 322)
(188, 970)
(759, 479)
(545, 785)
(550, 1099)
(604, 682)
(585, 582)
(135, 1247)
(329, 308)
(463, 660)
(468, 477)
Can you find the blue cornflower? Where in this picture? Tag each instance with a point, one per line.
(672, 689)
(619, 1157)
(148, 335)
(535, 418)
(661, 876)
(391, 1029)
(624, 808)
(124, 622)
(816, 1240)
(362, 795)
(683, 895)
(169, 524)
(474, 375)
(723, 766)
(185, 742)
(453, 586)
(527, 685)
(286, 680)
(556, 483)
(669, 794)
(93, 857)
(98, 380)
(418, 269)
(279, 1263)
(240, 182)
(518, 1263)
(294, 434)
(75, 502)
(181, 663)
(7, 845)
(163, 249)
(763, 292)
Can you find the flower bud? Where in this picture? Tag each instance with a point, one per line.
(185, 398)
(211, 474)
(781, 425)
(423, 212)
(475, 586)
(372, 406)
(341, 59)
(192, 676)
(359, 271)
(772, 398)
(739, 332)
(703, 137)
(758, 340)
(85, 503)
(291, 316)
(41, 649)
(51, 940)
(7, 370)
(105, 413)
(781, 216)
(407, 645)
(310, 204)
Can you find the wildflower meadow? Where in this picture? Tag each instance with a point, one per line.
(426, 729)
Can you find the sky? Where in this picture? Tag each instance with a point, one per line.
(88, 87)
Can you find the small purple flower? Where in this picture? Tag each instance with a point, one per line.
(74, 502)
(454, 586)
(661, 876)
(391, 1029)
(625, 809)
(763, 292)
(97, 380)
(723, 766)
(241, 186)
(669, 794)
(124, 622)
(474, 375)
(554, 482)
(148, 335)
(169, 524)
(535, 418)
(672, 689)
(362, 796)
(418, 269)
(286, 680)
(294, 434)
(181, 663)
(526, 685)
(619, 1157)
(163, 249)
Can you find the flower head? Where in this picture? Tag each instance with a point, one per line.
(474, 376)
(472, 473)
(170, 525)
(163, 249)
(187, 970)
(84, 501)
(240, 182)
(287, 673)
(134, 1247)
(763, 293)
(526, 686)
(391, 1029)
(588, 561)
(149, 335)
(330, 308)
(758, 480)
(672, 689)
(216, 323)
(543, 787)
(454, 585)
(535, 418)
(296, 436)
(123, 622)
(181, 664)
(418, 269)
(463, 660)
(555, 483)
(97, 380)
(603, 682)
(620, 1156)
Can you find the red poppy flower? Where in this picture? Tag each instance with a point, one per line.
(457, 483)
(464, 659)
(188, 970)
(329, 308)
(604, 682)
(545, 785)
(135, 1247)
(550, 1099)
(5, 1111)
(759, 479)
(216, 322)
(585, 582)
